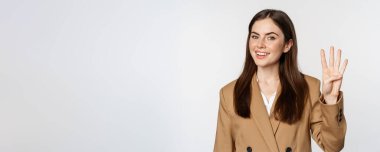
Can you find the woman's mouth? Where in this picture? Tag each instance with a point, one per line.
(261, 55)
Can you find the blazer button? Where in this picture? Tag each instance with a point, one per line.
(288, 149)
(249, 149)
(340, 114)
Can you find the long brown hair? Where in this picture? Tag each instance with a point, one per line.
(291, 101)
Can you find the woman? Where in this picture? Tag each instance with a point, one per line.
(272, 106)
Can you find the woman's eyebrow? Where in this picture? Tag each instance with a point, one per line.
(265, 33)
(255, 33)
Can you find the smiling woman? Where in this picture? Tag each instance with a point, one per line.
(247, 121)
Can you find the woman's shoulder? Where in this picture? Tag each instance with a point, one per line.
(314, 87)
(228, 88)
(227, 94)
(311, 81)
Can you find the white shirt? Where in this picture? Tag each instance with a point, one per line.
(268, 102)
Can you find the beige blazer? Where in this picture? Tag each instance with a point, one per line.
(324, 123)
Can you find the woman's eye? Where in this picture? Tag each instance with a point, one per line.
(254, 37)
(271, 38)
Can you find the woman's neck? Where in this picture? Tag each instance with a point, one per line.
(268, 74)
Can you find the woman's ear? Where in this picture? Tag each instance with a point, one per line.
(288, 45)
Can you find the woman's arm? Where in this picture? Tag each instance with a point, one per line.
(328, 124)
(223, 140)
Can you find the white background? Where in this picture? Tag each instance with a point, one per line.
(109, 76)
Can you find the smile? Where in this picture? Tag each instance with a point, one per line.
(261, 53)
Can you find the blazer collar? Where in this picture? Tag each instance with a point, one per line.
(275, 123)
(267, 125)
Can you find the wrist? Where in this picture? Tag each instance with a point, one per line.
(330, 99)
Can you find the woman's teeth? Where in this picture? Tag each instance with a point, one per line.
(262, 53)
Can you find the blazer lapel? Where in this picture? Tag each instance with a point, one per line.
(275, 123)
(261, 117)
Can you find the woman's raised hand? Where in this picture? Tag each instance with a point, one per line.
(332, 75)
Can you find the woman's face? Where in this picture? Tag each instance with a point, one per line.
(266, 43)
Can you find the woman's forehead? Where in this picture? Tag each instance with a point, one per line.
(265, 26)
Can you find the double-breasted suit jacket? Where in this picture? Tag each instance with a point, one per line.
(261, 132)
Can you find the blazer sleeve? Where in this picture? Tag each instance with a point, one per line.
(224, 141)
(328, 124)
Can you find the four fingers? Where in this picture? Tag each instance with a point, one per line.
(334, 71)
(335, 64)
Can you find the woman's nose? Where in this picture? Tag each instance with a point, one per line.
(261, 43)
